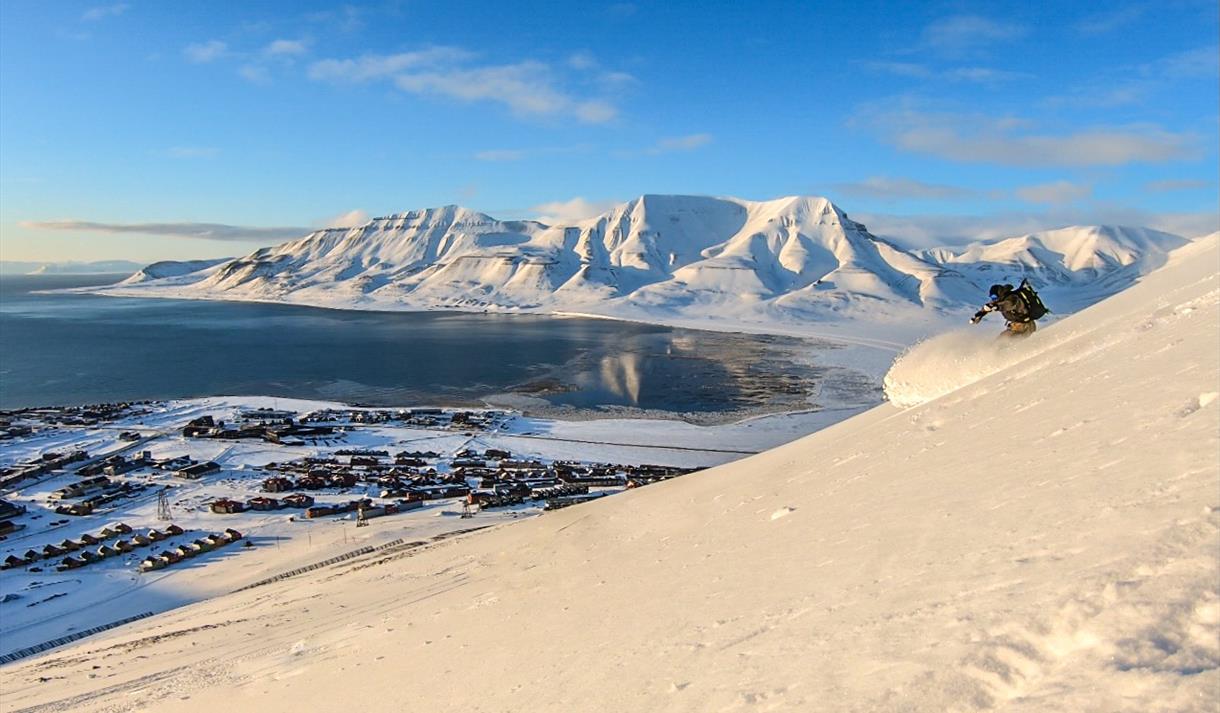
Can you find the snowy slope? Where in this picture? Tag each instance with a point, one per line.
(1045, 538)
(171, 268)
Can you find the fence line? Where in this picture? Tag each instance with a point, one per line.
(46, 645)
(318, 565)
(53, 643)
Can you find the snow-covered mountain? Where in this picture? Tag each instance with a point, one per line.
(1043, 537)
(99, 267)
(666, 258)
(171, 268)
(1078, 264)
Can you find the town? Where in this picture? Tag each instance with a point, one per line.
(136, 492)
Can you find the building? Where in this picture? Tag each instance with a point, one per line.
(198, 470)
(225, 506)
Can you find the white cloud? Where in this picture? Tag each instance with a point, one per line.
(983, 75)
(932, 230)
(350, 219)
(286, 48)
(1172, 185)
(571, 211)
(582, 60)
(527, 88)
(201, 231)
(101, 12)
(1056, 192)
(501, 155)
(689, 142)
(192, 152)
(254, 73)
(1106, 22)
(884, 188)
(204, 52)
(913, 70)
(1010, 141)
(369, 67)
(966, 34)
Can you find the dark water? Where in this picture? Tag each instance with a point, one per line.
(69, 349)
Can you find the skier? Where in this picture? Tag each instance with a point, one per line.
(1020, 307)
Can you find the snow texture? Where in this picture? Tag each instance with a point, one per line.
(1044, 538)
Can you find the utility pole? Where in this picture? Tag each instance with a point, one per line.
(163, 505)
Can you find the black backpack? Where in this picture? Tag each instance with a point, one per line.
(1033, 303)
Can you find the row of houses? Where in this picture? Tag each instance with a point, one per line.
(86, 415)
(228, 506)
(46, 463)
(93, 547)
(283, 433)
(175, 555)
(109, 494)
(420, 417)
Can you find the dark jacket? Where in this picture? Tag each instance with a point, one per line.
(1011, 306)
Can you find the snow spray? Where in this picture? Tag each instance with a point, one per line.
(947, 362)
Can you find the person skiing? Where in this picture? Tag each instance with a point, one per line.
(1020, 307)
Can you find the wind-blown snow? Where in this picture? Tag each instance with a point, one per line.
(947, 362)
(1044, 538)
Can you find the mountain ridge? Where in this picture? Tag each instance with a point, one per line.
(796, 258)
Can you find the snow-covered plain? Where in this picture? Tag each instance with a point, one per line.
(1044, 537)
(795, 265)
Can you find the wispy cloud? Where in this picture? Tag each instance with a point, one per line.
(205, 52)
(975, 74)
(200, 231)
(254, 73)
(570, 211)
(1173, 185)
(1109, 21)
(893, 189)
(1127, 85)
(1057, 192)
(286, 48)
(1012, 141)
(192, 152)
(690, 142)
(526, 88)
(350, 219)
(101, 12)
(373, 66)
(932, 230)
(961, 35)
(501, 155)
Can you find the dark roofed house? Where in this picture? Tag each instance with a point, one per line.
(52, 551)
(225, 506)
(107, 551)
(141, 540)
(198, 470)
(297, 500)
(89, 539)
(13, 561)
(231, 535)
(263, 503)
(173, 530)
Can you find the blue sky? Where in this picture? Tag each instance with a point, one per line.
(152, 130)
